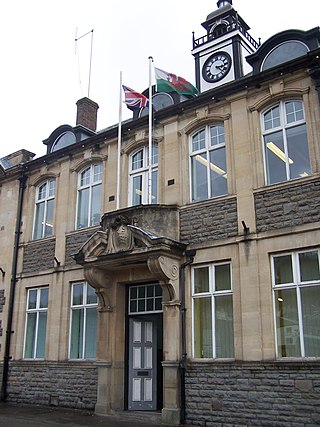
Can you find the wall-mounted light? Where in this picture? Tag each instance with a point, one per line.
(246, 229)
(57, 261)
(3, 272)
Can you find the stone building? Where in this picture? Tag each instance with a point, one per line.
(192, 290)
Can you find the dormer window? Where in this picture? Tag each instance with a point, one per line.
(67, 138)
(283, 53)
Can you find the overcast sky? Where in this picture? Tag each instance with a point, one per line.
(44, 71)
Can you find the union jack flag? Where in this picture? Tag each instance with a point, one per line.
(134, 100)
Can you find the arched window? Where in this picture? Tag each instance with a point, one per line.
(44, 209)
(208, 163)
(139, 174)
(285, 142)
(89, 196)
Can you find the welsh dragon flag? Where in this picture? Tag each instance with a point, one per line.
(168, 82)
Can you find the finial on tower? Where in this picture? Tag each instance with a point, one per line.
(222, 3)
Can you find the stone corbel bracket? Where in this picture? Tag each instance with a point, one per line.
(102, 282)
(166, 270)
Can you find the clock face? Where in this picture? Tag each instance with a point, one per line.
(216, 67)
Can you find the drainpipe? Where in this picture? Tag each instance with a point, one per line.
(189, 253)
(9, 331)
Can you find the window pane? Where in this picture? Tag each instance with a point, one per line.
(97, 172)
(272, 118)
(222, 277)
(275, 158)
(83, 203)
(287, 323)
(85, 177)
(150, 291)
(283, 269)
(95, 205)
(199, 141)
(76, 343)
(298, 152)
(44, 298)
(91, 333)
(137, 160)
(154, 187)
(42, 192)
(158, 303)
(52, 185)
(77, 294)
(218, 172)
(133, 306)
(202, 328)
(309, 267)
(41, 338)
(48, 231)
(310, 300)
(201, 280)
(91, 295)
(199, 164)
(154, 159)
(137, 190)
(224, 326)
(150, 302)
(30, 335)
(217, 135)
(294, 111)
(32, 301)
(38, 227)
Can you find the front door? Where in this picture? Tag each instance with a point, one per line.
(142, 364)
(144, 355)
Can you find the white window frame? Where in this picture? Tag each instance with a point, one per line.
(37, 310)
(213, 294)
(283, 128)
(207, 149)
(84, 306)
(144, 173)
(48, 196)
(298, 286)
(90, 185)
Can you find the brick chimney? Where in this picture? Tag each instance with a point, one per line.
(87, 113)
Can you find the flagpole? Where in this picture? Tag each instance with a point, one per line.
(119, 144)
(150, 133)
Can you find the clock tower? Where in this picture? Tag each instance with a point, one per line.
(220, 54)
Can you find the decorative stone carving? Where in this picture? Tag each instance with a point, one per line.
(102, 281)
(120, 236)
(167, 270)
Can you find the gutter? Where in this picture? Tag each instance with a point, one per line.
(189, 253)
(9, 331)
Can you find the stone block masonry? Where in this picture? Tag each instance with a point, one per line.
(209, 221)
(65, 384)
(39, 255)
(275, 394)
(288, 206)
(74, 242)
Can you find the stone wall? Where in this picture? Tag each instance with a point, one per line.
(64, 384)
(39, 255)
(275, 394)
(74, 242)
(287, 206)
(208, 221)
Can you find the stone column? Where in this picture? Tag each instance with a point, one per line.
(103, 284)
(171, 372)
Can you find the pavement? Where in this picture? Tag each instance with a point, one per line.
(40, 416)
